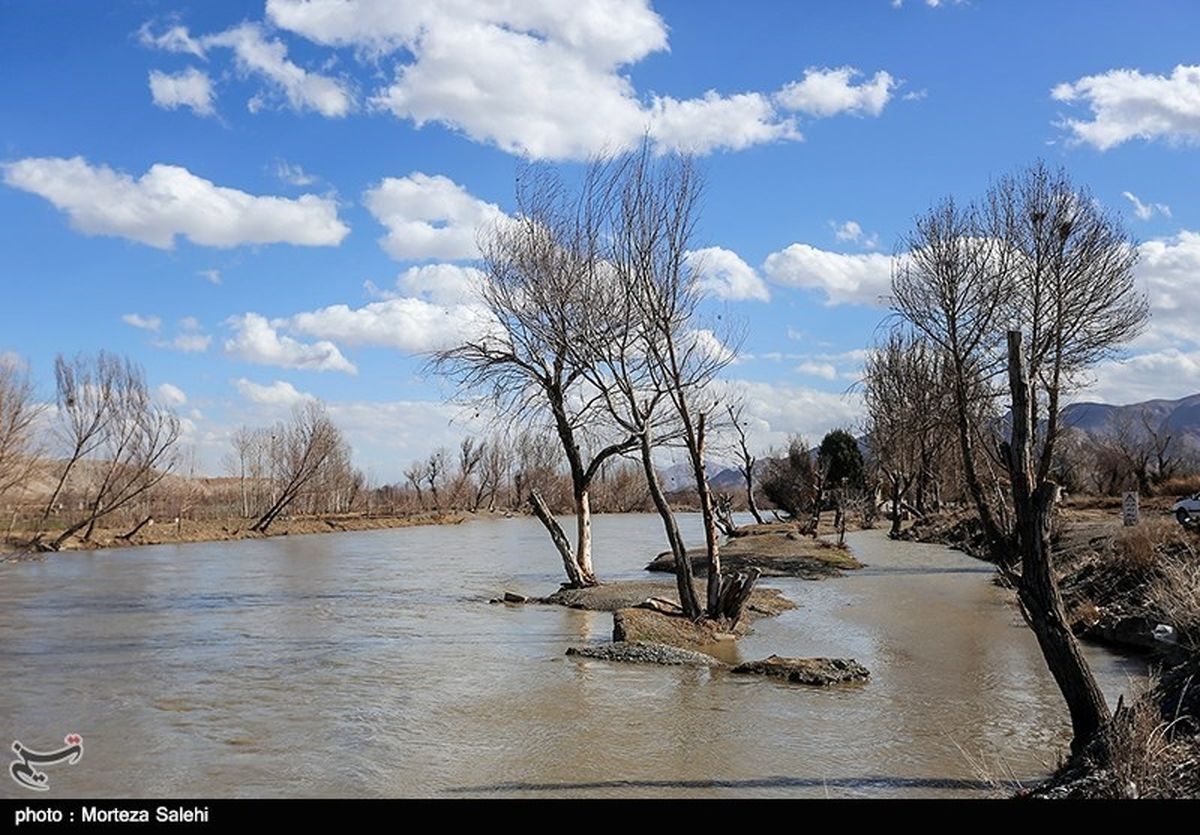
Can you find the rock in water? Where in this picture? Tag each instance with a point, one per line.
(644, 652)
(513, 597)
(816, 671)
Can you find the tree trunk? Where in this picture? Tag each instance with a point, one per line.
(132, 532)
(1038, 592)
(897, 506)
(683, 566)
(712, 539)
(583, 535)
(574, 578)
(750, 501)
(991, 530)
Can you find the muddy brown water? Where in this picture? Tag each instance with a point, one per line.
(369, 664)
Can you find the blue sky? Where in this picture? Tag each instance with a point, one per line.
(262, 202)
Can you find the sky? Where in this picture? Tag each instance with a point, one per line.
(263, 203)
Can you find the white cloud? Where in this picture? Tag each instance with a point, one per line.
(294, 174)
(824, 370)
(829, 92)
(862, 278)
(444, 284)
(266, 58)
(257, 340)
(1170, 373)
(146, 323)
(409, 324)
(776, 410)
(1167, 270)
(1145, 211)
(851, 231)
(717, 123)
(710, 346)
(429, 217)
(169, 200)
(212, 276)
(1128, 104)
(278, 393)
(189, 343)
(546, 79)
(724, 275)
(172, 39)
(171, 395)
(190, 88)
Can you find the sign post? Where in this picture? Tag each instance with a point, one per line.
(1130, 509)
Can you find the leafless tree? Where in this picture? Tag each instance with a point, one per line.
(540, 268)
(903, 395)
(746, 460)
(300, 449)
(19, 412)
(107, 419)
(953, 286)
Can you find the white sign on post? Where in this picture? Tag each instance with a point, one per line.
(1130, 508)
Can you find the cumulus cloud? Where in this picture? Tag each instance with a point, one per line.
(190, 88)
(266, 58)
(169, 200)
(278, 393)
(1167, 270)
(171, 395)
(413, 325)
(429, 217)
(862, 278)
(258, 340)
(850, 231)
(829, 92)
(1128, 104)
(549, 80)
(724, 275)
(1145, 211)
(146, 323)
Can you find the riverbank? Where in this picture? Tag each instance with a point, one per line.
(227, 530)
(775, 549)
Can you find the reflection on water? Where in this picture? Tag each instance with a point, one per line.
(368, 664)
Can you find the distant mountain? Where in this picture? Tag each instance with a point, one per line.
(1178, 418)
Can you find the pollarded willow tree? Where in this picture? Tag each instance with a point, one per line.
(541, 270)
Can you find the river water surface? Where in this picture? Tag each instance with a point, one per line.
(370, 664)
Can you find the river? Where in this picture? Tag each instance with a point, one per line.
(370, 664)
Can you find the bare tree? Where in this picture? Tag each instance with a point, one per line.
(300, 450)
(953, 286)
(539, 270)
(903, 396)
(108, 419)
(746, 461)
(19, 411)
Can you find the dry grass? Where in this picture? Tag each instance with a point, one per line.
(1149, 757)
(1180, 486)
(1175, 595)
